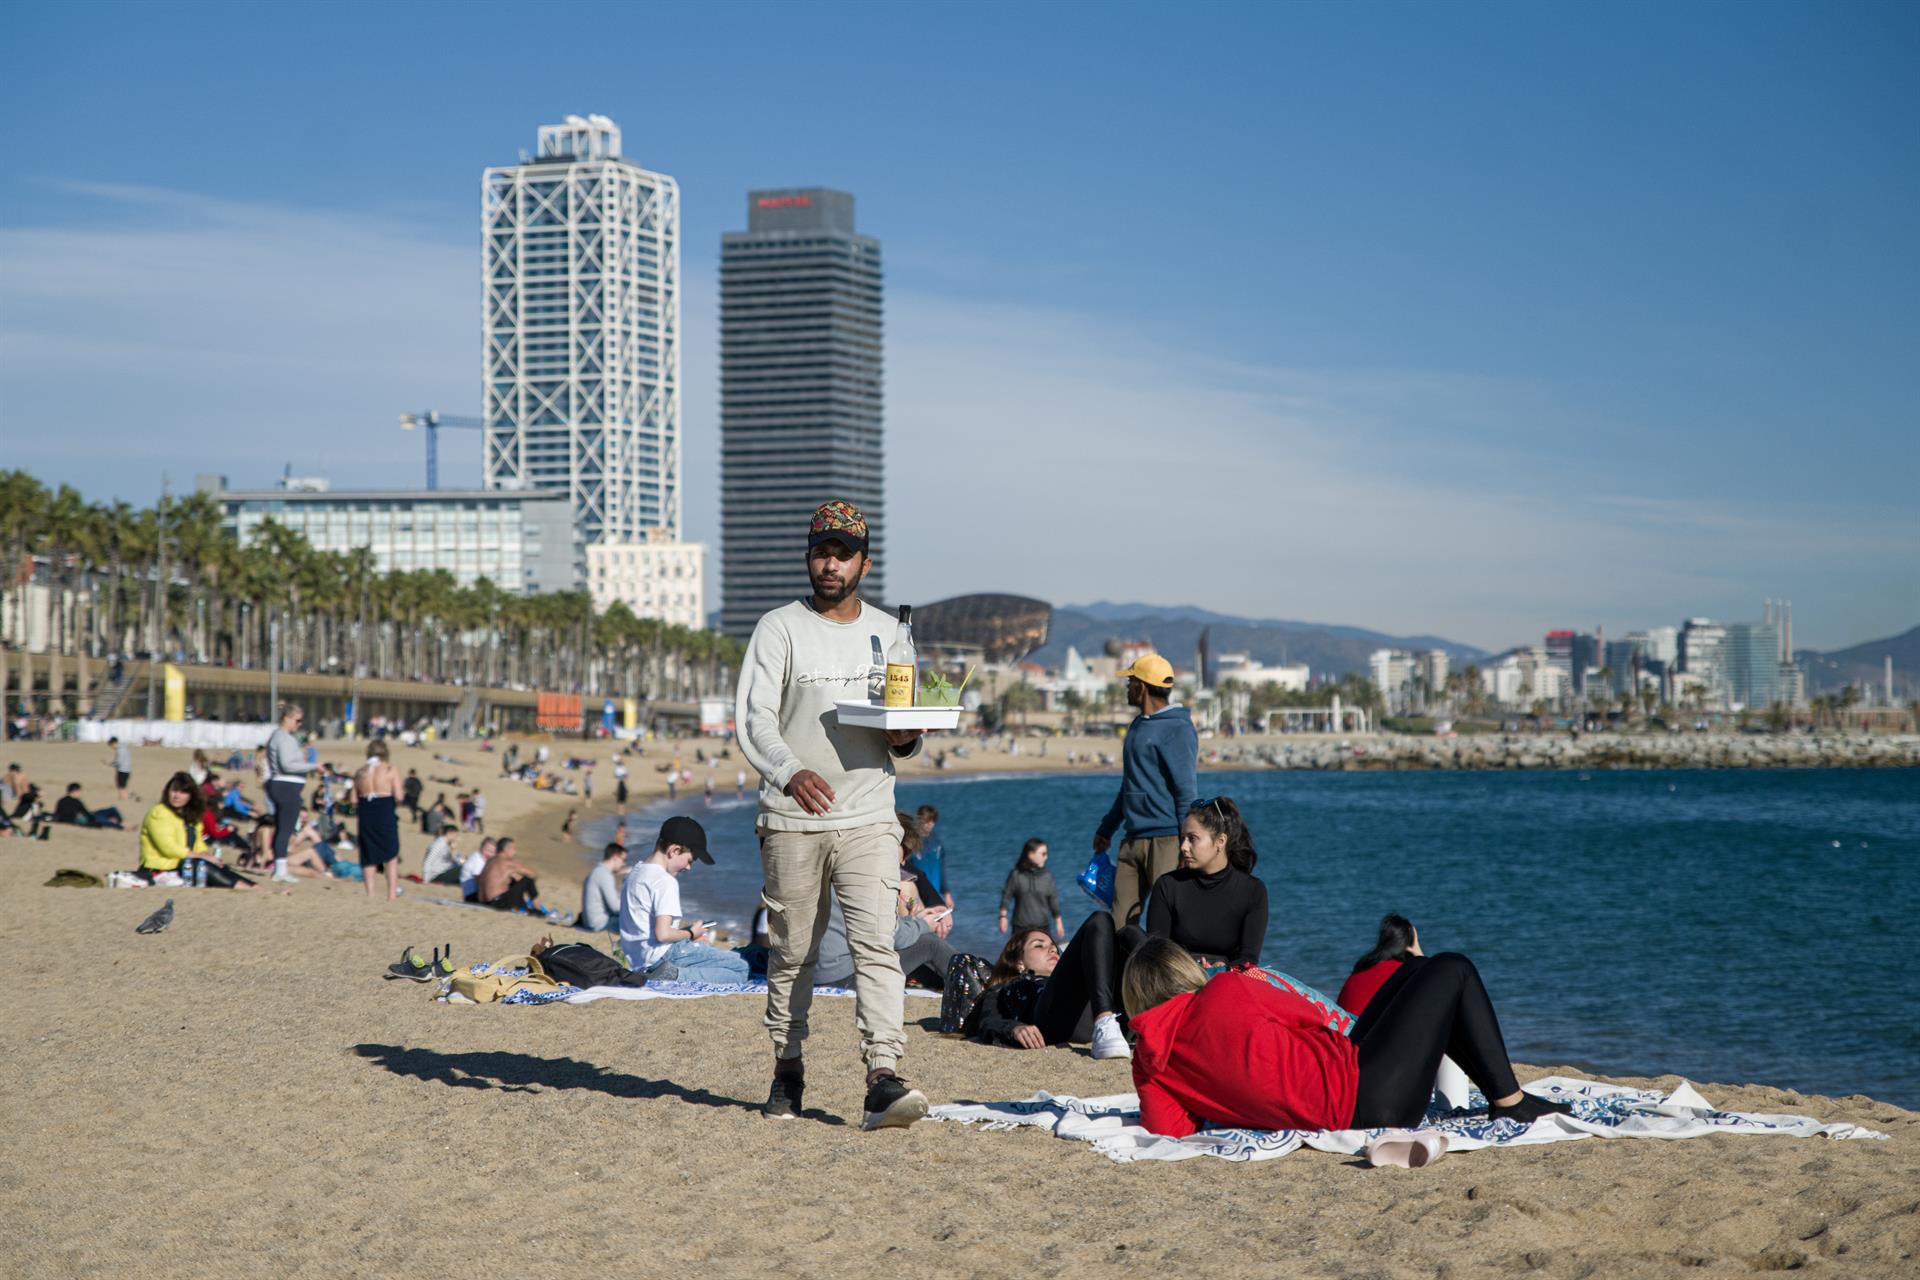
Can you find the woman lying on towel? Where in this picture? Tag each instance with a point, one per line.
(1036, 996)
(172, 839)
(1238, 1051)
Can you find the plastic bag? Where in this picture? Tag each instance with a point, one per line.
(1097, 880)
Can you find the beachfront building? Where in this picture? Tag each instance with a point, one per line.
(1750, 664)
(1291, 677)
(1430, 665)
(654, 579)
(800, 393)
(1392, 671)
(1701, 640)
(580, 325)
(520, 541)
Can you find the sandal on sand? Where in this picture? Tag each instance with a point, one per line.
(410, 965)
(1404, 1149)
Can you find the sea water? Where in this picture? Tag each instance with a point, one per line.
(1736, 925)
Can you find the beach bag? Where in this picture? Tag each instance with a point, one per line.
(966, 983)
(1097, 880)
(579, 965)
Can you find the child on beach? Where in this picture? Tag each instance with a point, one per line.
(652, 936)
(1237, 1050)
(1031, 893)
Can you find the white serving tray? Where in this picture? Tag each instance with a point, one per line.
(871, 715)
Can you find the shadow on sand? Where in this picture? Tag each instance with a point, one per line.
(526, 1073)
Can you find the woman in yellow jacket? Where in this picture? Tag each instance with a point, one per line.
(171, 839)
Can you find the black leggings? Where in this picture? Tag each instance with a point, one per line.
(1428, 1008)
(1086, 980)
(286, 813)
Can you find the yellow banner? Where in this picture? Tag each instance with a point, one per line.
(629, 714)
(176, 686)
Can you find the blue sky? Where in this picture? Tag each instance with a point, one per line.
(1469, 319)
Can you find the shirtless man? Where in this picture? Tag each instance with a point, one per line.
(505, 882)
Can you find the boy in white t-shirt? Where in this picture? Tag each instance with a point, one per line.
(652, 936)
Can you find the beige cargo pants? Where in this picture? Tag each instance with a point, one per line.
(860, 866)
(1139, 864)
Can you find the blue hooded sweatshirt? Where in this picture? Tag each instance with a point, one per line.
(1157, 776)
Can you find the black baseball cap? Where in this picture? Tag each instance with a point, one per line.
(686, 833)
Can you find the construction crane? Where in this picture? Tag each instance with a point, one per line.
(433, 422)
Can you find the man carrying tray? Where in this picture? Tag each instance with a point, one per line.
(827, 812)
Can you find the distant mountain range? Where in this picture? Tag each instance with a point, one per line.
(1332, 649)
(1862, 664)
(1175, 631)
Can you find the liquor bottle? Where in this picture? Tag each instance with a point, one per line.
(900, 662)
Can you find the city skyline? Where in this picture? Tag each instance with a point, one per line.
(1612, 335)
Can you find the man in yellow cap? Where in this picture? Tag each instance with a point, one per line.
(1157, 787)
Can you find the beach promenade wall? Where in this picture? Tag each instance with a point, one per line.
(1593, 751)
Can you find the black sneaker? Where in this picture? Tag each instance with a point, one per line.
(783, 1100)
(891, 1104)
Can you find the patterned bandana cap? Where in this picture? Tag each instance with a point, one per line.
(838, 520)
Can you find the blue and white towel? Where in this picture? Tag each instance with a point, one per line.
(1112, 1124)
(677, 990)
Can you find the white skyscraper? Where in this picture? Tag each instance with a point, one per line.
(581, 323)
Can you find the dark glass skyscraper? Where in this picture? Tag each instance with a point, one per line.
(800, 393)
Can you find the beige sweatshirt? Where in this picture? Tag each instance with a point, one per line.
(798, 665)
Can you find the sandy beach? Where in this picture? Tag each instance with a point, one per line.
(245, 1095)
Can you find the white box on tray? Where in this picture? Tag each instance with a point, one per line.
(872, 715)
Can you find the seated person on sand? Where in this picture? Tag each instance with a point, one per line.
(919, 930)
(475, 863)
(72, 809)
(1237, 1051)
(653, 937)
(171, 840)
(18, 793)
(1211, 904)
(1036, 996)
(600, 896)
(506, 884)
(442, 862)
(1398, 944)
(307, 854)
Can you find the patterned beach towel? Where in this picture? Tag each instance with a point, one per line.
(1112, 1124)
(698, 990)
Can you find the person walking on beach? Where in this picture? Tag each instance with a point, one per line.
(826, 816)
(287, 770)
(1157, 786)
(1030, 899)
(122, 766)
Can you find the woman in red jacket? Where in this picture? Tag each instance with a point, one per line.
(1241, 1052)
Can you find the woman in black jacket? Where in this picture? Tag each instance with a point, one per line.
(1038, 995)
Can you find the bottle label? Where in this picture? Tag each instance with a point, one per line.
(899, 685)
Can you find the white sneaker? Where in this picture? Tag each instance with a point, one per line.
(284, 877)
(1108, 1041)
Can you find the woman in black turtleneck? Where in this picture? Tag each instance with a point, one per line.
(1213, 904)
